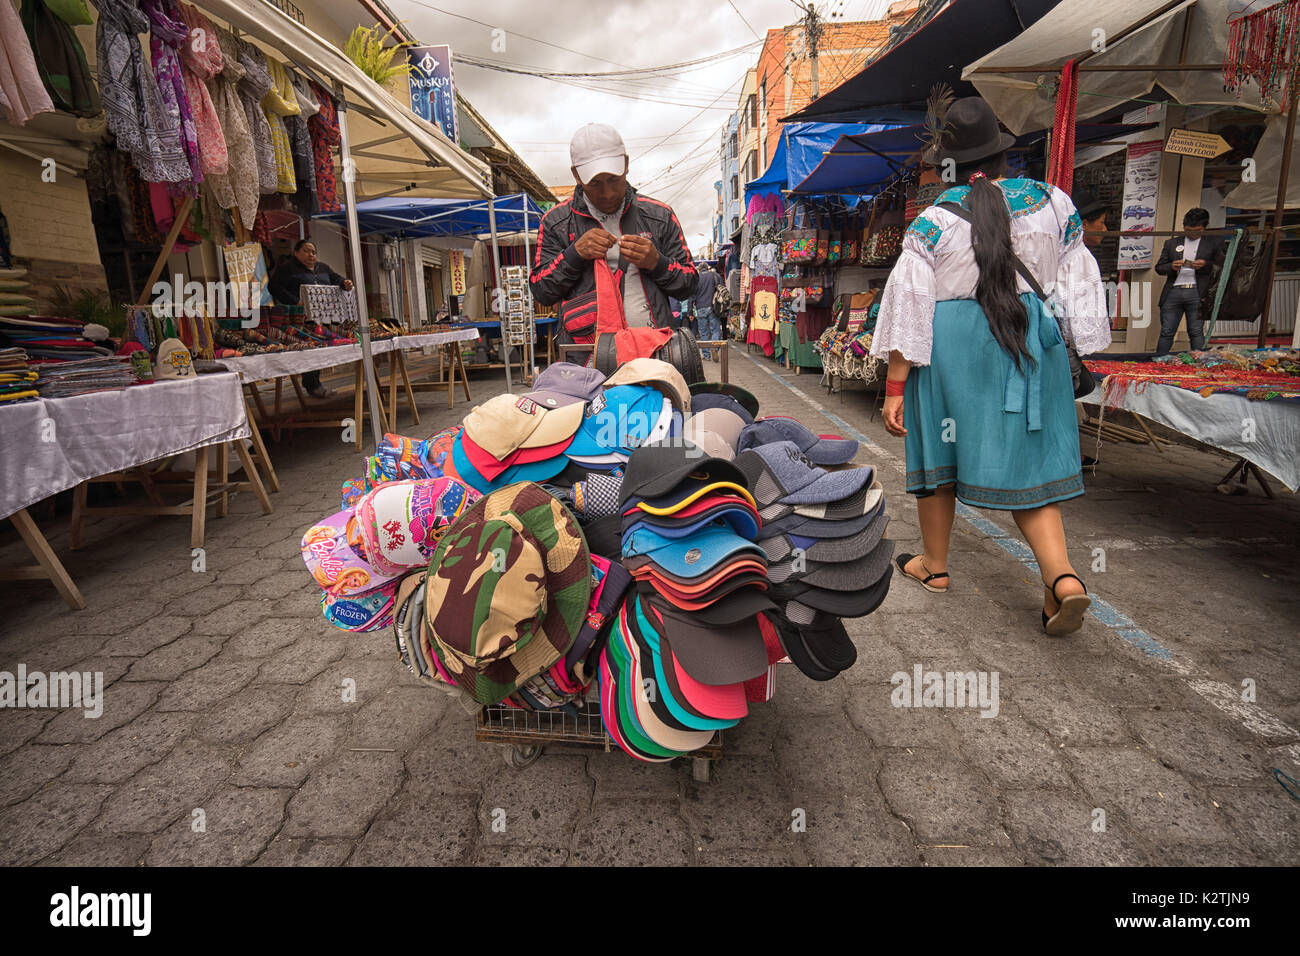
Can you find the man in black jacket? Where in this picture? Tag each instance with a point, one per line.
(285, 286)
(1187, 262)
(640, 238)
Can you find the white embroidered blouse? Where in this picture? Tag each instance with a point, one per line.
(937, 263)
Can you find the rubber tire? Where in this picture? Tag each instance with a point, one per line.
(683, 354)
(519, 756)
(606, 354)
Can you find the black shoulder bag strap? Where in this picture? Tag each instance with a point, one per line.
(1081, 378)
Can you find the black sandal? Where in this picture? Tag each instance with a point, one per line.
(1069, 611)
(902, 561)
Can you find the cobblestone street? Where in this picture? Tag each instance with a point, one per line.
(223, 694)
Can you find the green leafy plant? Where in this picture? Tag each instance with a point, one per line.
(366, 49)
(90, 306)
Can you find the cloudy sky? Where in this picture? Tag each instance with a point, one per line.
(671, 124)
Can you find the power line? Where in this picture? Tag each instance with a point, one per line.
(689, 121)
(743, 20)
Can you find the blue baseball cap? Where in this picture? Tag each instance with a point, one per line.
(465, 470)
(534, 471)
(738, 519)
(693, 556)
(617, 421)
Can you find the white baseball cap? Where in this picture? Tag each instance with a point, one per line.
(597, 148)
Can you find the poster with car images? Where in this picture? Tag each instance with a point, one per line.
(1138, 211)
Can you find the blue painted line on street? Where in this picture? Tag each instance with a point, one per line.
(1107, 614)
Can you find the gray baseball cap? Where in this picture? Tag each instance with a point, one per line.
(836, 576)
(865, 501)
(565, 383)
(820, 451)
(780, 473)
(783, 548)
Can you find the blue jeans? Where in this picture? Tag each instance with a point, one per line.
(1171, 313)
(710, 327)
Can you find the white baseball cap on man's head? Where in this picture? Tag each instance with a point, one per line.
(597, 148)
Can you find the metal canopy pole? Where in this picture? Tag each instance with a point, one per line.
(359, 279)
(1279, 213)
(532, 322)
(496, 284)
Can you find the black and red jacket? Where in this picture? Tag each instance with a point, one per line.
(560, 275)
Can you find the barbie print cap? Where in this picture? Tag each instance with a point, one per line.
(597, 148)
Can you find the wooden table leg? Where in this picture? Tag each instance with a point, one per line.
(150, 488)
(250, 472)
(296, 381)
(451, 372)
(199, 506)
(406, 383)
(726, 365)
(47, 559)
(358, 405)
(464, 376)
(223, 477)
(392, 391)
(263, 459)
(78, 524)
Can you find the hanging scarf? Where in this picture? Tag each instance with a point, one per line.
(60, 60)
(1060, 168)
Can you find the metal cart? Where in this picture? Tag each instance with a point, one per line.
(523, 734)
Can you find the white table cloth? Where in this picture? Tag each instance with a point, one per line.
(51, 445)
(255, 368)
(1266, 433)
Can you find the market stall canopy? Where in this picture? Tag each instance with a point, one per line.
(416, 218)
(1262, 193)
(859, 163)
(393, 149)
(903, 75)
(1137, 33)
(800, 148)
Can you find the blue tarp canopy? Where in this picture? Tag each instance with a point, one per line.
(800, 148)
(858, 163)
(960, 33)
(862, 161)
(415, 218)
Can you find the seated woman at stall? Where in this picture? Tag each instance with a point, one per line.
(285, 285)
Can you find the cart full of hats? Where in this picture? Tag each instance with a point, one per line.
(621, 561)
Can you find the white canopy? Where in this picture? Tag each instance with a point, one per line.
(1262, 193)
(1070, 32)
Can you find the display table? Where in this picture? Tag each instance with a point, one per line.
(278, 366)
(1265, 433)
(50, 445)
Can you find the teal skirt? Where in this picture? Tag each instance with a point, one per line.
(1007, 438)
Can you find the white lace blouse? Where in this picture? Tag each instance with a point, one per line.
(937, 263)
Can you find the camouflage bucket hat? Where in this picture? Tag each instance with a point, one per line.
(507, 590)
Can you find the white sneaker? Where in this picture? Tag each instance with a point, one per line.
(320, 391)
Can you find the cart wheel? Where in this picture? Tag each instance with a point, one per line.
(700, 769)
(520, 756)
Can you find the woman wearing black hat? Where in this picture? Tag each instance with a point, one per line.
(979, 380)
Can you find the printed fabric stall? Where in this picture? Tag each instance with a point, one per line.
(621, 562)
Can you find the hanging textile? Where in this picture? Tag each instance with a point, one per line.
(324, 130)
(145, 227)
(1060, 165)
(202, 60)
(60, 60)
(167, 34)
(280, 102)
(304, 162)
(257, 83)
(237, 188)
(22, 94)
